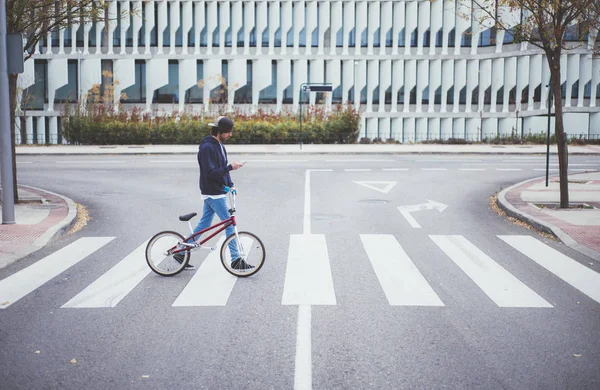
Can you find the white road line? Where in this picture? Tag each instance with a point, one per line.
(434, 169)
(499, 284)
(306, 225)
(581, 169)
(274, 161)
(449, 161)
(25, 281)
(308, 279)
(482, 164)
(24, 162)
(400, 279)
(211, 285)
(569, 270)
(109, 289)
(543, 169)
(357, 170)
(471, 169)
(303, 366)
(360, 160)
(509, 169)
(395, 169)
(92, 162)
(173, 161)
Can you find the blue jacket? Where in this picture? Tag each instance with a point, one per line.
(214, 169)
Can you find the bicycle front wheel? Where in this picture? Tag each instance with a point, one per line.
(251, 254)
(159, 253)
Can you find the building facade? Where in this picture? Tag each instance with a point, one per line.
(417, 70)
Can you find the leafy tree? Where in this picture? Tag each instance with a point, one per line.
(544, 24)
(35, 19)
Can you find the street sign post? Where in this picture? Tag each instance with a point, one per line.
(311, 87)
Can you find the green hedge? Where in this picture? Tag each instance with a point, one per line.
(99, 125)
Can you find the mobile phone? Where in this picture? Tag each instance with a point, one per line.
(244, 162)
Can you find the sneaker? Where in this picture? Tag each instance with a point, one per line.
(179, 258)
(240, 264)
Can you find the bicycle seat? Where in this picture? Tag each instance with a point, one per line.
(187, 217)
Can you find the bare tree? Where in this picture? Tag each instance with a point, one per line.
(35, 19)
(544, 24)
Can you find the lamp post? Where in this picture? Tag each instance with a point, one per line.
(548, 135)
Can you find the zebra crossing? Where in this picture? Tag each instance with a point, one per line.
(308, 277)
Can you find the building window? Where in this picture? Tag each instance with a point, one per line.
(36, 95)
(269, 94)
(137, 92)
(244, 94)
(68, 93)
(401, 38)
(196, 93)
(169, 93)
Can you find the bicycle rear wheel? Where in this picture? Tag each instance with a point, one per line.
(159, 253)
(252, 253)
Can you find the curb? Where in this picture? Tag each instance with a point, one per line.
(546, 227)
(63, 226)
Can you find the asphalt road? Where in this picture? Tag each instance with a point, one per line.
(326, 309)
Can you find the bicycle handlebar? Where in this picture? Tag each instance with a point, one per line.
(228, 189)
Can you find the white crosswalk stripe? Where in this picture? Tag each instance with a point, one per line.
(500, 285)
(569, 270)
(29, 279)
(211, 285)
(308, 279)
(400, 279)
(109, 289)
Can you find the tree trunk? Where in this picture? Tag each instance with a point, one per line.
(559, 131)
(12, 93)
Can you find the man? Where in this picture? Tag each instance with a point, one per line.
(214, 176)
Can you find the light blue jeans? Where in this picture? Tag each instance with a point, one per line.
(219, 207)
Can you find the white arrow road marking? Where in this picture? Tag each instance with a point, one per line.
(430, 205)
(381, 186)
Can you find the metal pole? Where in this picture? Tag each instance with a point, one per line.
(8, 198)
(548, 135)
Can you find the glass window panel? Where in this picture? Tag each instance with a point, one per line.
(170, 92)
(68, 93)
(196, 93)
(36, 95)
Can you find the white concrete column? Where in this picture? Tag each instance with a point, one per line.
(261, 77)
(535, 78)
(112, 24)
(485, 81)
(174, 24)
(283, 80)
(397, 82)
(422, 81)
(28, 130)
(248, 24)
(572, 76)
(125, 23)
(41, 130)
(435, 81)
(123, 76)
(211, 25)
(58, 75)
(386, 25)
(385, 81)
(187, 23)
(286, 23)
(447, 82)
(324, 18)
(149, 24)
(299, 24)
(497, 78)
(137, 24)
(224, 24)
(585, 76)
(311, 24)
(424, 19)
(410, 80)
(53, 130)
(510, 80)
(261, 24)
(373, 24)
(199, 24)
(157, 75)
(412, 9)
(188, 77)
(273, 24)
(437, 13)
(162, 24)
(460, 81)
(236, 23)
(361, 24)
(348, 24)
(398, 24)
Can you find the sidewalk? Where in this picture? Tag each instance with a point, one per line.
(532, 202)
(46, 215)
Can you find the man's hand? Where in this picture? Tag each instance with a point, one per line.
(236, 165)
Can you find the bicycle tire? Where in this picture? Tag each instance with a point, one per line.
(157, 253)
(252, 245)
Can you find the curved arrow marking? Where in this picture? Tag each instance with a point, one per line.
(430, 205)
